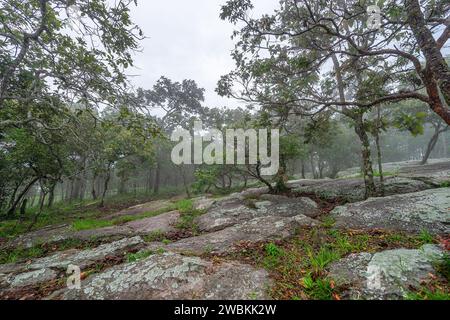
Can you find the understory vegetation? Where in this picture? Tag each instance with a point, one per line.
(299, 266)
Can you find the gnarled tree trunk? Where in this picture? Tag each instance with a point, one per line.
(366, 157)
(432, 144)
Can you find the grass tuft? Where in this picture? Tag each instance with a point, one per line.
(133, 257)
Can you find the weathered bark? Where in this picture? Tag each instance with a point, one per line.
(378, 146)
(245, 181)
(436, 74)
(23, 208)
(429, 47)
(366, 157)
(303, 170)
(445, 147)
(432, 144)
(51, 196)
(13, 195)
(93, 191)
(42, 201)
(157, 177)
(75, 192)
(380, 162)
(38, 214)
(185, 184)
(257, 175)
(281, 177)
(313, 166)
(105, 185)
(321, 168)
(13, 208)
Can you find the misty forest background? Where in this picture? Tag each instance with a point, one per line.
(74, 132)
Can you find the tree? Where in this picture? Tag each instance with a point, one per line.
(180, 104)
(301, 37)
(411, 118)
(47, 52)
(283, 61)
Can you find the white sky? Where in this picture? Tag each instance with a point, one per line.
(186, 40)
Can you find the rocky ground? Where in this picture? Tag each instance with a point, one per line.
(321, 241)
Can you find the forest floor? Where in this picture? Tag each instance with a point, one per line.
(322, 240)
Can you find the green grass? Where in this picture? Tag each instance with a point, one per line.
(319, 260)
(318, 289)
(155, 236)
(62, 213)
(428, 294)
(299, 266)
(184, 206)
(59, 214)
(438, 288)
(88, 224)
(445, 184)
(272, 250)
(385, 174)
(426, 237)
(328, 222)
(133, 257)
(273, 254)
(22, 254)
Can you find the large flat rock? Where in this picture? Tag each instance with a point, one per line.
(152, 206)
(172, 276)
(161, 223)
(44, 269)
(230, 211)
(353, 190)
(385, 275)
(256, 230)
(414, 212)
(436, 173)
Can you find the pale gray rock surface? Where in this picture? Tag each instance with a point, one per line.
(353, 190)
(385, 275)
(48, 268)
(152, 206)
(256, 230)
(414, 212)
(172, 276)
(231, 211)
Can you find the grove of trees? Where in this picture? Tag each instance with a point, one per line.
(343, 94)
